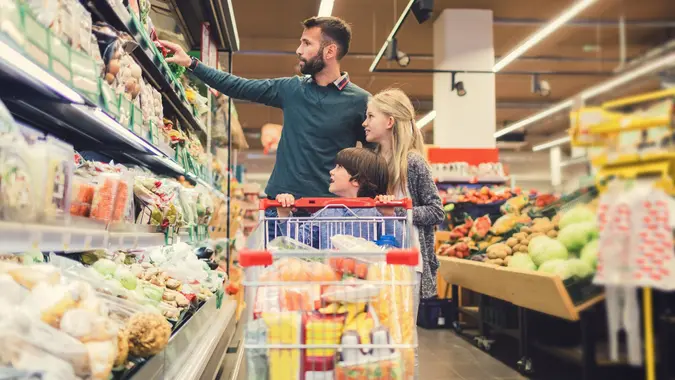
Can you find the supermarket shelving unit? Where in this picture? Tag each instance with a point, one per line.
(38, 99)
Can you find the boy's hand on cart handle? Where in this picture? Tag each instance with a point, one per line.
(287, 201)
(386, 211)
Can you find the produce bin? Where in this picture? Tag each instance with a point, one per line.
(542, 292)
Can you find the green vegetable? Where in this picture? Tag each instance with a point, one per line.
(558, 267)
(578, 214)
(105, 267)
(547, 249)
(536, 241)
(521, 261)
(575, 236)
(33, 257)
(579, 268)
(589, 253)
(125, 277)
(153, 292)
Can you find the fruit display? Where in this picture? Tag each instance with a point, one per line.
(372, 305)
(484, 195)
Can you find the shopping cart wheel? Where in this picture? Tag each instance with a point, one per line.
(457, 327)
(483, 343)
(525, 366)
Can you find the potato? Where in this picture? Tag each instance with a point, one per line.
(491, 254)
(552, 233)
(501, 254)
(114, 66)
(498, 261)
(526, 230)
(508, 250)
(525, 242)
(109, 78)
(506, 260)
(523, 249)
(512, 242)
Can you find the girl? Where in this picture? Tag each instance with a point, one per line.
(390, 123)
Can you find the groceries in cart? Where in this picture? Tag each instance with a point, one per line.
(343, 311)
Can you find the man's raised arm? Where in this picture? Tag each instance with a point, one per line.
(266, 91)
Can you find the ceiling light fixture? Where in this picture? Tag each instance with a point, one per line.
(663, 62)
(459, 86)
(542, 33)
(551, 144)
(426, 119)
(326, 8)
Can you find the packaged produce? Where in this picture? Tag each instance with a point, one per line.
(394, 308)
(380, 363)
(59, 173)
(480, 227)
(505, 224)
(283, 328)
(256, 358)
(19, 187)
(11, 21)
(515, 204)
(320, 329)
(82, 196)
(148, 334)
(103, 204)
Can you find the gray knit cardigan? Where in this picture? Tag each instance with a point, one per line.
(427, 214)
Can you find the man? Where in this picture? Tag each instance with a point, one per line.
(323, 110)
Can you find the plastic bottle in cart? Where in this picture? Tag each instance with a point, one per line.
(387, 242)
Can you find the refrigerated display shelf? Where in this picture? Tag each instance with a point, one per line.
(22, 237)
(120, 19)
(43, 101)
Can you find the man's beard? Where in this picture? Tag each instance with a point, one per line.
(314, 65)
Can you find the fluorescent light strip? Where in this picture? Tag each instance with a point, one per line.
(610, 84)
(426, 119)
(541, 34)
(534, 118)
(24, 64)
(326, 8)
(551, 144)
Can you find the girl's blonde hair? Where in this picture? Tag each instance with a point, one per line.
(406, 137)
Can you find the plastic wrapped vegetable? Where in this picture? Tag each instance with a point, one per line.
(394, 307)
(522, 261)
(515, 204)
(589, 253)
(480, 228)
(575, 236)
(579, 214)
(557, 267)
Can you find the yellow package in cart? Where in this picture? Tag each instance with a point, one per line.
(283, 328)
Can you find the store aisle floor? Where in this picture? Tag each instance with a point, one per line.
(446, 356)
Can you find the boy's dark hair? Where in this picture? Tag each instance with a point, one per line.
(367, 168)
(334, 29)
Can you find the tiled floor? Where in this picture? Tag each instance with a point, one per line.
(445, 356)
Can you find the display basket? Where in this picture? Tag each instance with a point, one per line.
(475, 211)
(340, 310)
(435, 313)
(566, 202)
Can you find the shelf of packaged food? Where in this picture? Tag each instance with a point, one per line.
(542, 292)
(22, 237)
(41, 100)
(153, 68)
(190, 348)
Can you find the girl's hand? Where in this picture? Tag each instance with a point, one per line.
(287, 201)
(386, 211)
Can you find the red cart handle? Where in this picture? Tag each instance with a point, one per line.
(319, 203)
(249, 258)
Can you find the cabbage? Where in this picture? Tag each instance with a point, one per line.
(547, 249)
(578, 214)
(557, 267)
(535, 241)
(579, 268)
(521, 261)
(125, 277)
(105, 267)
(589, 253)
(575, 236)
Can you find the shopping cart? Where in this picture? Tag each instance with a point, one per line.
(328, 302)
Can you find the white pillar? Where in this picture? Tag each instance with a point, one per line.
(463, 41)
(556, 171)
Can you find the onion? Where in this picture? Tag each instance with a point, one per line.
(114, 66)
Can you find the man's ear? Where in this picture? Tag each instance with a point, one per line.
(330, 51)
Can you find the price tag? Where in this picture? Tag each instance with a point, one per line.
(86, 244)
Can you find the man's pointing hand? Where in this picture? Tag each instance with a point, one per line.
(180, 57)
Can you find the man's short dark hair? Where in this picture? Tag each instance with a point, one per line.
(334, 29)
(367, 168)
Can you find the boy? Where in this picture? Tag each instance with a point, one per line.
(358, 172)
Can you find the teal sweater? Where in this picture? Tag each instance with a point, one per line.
(319, 121)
